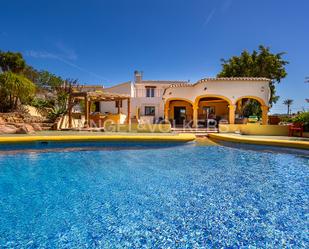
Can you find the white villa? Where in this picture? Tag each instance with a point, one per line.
(217, 99)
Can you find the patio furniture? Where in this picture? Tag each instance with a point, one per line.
(253, 119)
(296, 127)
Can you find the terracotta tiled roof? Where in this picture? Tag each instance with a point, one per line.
(186, 84)
(182, 85)
(234, 79)
(161, 82)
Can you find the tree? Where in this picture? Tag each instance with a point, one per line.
(62, 103)
(288, 103)
(14, 89)
(251, 107)
(10, 61)
(48, 81)
(261, 63)
(30, 73)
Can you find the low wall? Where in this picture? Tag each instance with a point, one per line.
(140, 128)
(230, 128)
(255, 129)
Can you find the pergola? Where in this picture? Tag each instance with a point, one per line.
(90, 97)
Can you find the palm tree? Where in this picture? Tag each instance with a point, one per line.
(288, 102)
(14, 89)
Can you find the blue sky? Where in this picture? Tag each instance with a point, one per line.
(103, 42)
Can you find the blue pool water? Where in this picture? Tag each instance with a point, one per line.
(184, 196)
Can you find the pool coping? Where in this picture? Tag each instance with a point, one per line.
(261, 141)
(132, 138)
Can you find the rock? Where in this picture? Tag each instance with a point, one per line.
(12, 126)
(36, 127)
(2, 122)
(17, 125)
(7, 130)
(25, 129)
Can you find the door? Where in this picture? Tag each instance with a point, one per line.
(179, 115)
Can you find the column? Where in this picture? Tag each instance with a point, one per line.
(70, 111)
(264, 114)
(166, 111)
(86, 112)
(195, 117)
(119, 102)
(129, 112)
(232, 109)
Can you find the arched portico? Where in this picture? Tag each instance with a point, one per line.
(213, 106)
(263, 106)
(226, 91)
(180, 110)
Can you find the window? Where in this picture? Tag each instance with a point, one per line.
(150, 92)
(150, 110)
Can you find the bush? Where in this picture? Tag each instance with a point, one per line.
(55, 112)
(302, 118)
(41, 103)
(14, 90)
(286, 119)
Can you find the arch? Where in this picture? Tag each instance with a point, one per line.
(264, 107)
(169, 112)
(260, 100)
(198, 98)
(226, 112)
(167, 101)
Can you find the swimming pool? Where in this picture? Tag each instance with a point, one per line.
(184, 196)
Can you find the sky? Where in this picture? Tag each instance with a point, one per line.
(104, 41)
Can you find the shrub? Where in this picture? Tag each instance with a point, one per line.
(55, 112)
(14, 90)
(303, 117)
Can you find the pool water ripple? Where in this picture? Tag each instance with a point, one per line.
(179, 197)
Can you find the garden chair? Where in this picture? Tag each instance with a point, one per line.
(296, 127)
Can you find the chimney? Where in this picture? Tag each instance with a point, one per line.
(138, 76)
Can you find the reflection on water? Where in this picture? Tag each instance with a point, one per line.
(43, 147)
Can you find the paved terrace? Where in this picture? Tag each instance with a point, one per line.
(282, 141)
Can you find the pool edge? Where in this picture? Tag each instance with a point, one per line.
(260, 141)
(132, 138)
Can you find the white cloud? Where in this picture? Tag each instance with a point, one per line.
(48, 55)
(210, 16)
(41, 54)
(67, 53)
(226, 5)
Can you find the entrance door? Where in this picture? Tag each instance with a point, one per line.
(179, 114)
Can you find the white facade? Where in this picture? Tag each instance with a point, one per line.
(145, 95)
(231, 89)
(150, 100)
(123, 88)
(144, 102)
